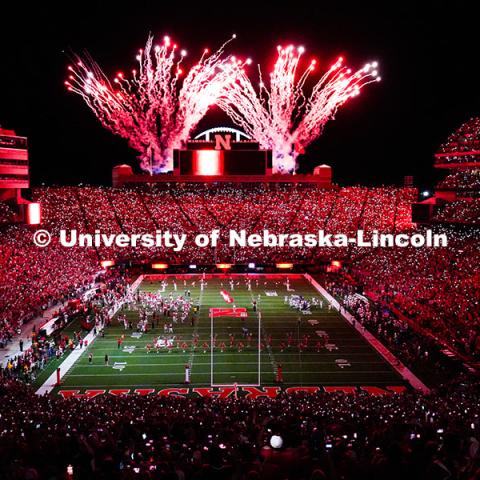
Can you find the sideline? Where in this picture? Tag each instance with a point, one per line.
(12, 349)
(68, 363)
(393, 361)
(43, 321)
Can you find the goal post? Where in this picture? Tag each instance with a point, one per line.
(234, 368)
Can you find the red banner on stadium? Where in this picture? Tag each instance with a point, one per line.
(226, 296)
(228, 312)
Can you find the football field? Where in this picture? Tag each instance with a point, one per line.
(313, 345)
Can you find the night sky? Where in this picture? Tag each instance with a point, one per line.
(428, 58)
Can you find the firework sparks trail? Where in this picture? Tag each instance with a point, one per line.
(281, 117)
(153, 109)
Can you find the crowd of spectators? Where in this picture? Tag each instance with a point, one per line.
(464, 139)
(417, 350)
(461, 180)
(323, 436)
(6, 213)
(34, 279)
(200, 208)
(437, 288)
(92, 309)
(465, 211)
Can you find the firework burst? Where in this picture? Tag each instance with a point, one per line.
(281, 117)
(153, 108)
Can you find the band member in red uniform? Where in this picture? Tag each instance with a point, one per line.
(279, 377)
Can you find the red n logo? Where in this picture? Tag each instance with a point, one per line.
(223, 143)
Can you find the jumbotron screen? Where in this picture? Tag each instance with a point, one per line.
(240, 158)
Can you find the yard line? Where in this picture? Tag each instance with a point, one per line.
(87, 365)
(120, 374)
(269, 348)
(173, 355)
(195, 330)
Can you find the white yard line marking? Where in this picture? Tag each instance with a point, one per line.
(195, 331)
(325, 372)
(181, 355)
(156, 365)
(398, 366)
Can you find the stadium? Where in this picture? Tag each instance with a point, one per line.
(216, 300)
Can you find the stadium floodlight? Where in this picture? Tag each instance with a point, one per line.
(251, 265)
(284, 266)
(34, 213)
(192, 267)
(159, 266)
(107, 263)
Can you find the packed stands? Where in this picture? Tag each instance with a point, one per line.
(415, 299)
(6, 213)
(324, 436)
(32, 279)
(437, 288)
(466, 211)
(461, 180)
(423, 294)
(420, 352)
(193, 208)
(461, 155)
(463, 145)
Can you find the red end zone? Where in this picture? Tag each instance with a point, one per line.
(229, 391)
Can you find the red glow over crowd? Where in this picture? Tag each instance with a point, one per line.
(193, 208)
(415, 300)
(324, 436)
(465, 211)
(413, 280)
(464, 141)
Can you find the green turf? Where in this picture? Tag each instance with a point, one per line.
(299, 369)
